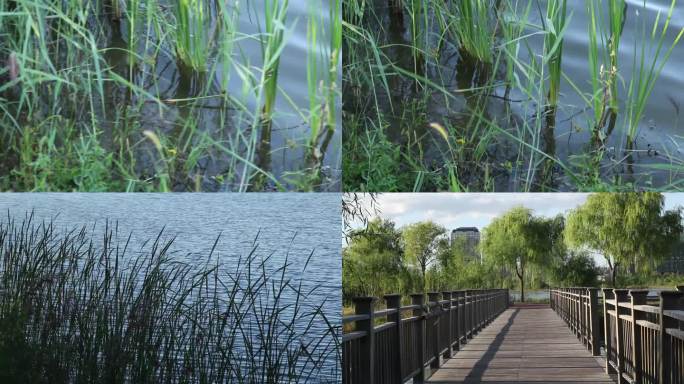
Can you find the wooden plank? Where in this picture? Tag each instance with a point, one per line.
(523, 345)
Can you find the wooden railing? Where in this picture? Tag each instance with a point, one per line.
(643, 336)
(398, 343)
(580, 309)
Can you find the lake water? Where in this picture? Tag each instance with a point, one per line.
(530, 295)
(286, 223)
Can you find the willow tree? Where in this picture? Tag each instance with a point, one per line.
(519, 239)
(421, 245)
(626, 228)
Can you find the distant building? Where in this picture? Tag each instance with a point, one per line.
(472, 241)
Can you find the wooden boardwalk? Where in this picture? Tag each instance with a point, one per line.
(523, 345)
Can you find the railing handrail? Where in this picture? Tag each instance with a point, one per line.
(639, 339)
(400, 348)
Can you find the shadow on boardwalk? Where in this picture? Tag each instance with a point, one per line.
(526, 344)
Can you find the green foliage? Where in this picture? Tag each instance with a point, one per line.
(628, 229)
(372, 264)
(473, 28)
(647, 65)
(577, 269)
(553, 45)
(371, 163)
(107, 80)
(193, 38)
(518, 239)
(422, 242)
(80, 165)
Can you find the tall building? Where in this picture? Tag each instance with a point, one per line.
(472, 241)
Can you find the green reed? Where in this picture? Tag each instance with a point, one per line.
(193, 39)
(603, 57)
(322, 73)
(555, 24)
(616, 12)
(474, 29)
(512, 26)
(418, 20)
(271, 46)
(74, 305)
(647, 64)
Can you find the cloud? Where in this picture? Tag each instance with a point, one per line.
(477, 209)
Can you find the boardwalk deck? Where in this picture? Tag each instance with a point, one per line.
(523, 345)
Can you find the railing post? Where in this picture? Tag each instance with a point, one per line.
(446, 295)
(457, 295)
(419, 300)
(669, 300)
(394, 302)
(621, 296)
(365, 306)
(638, 297)
(435, 323)
(593, 313)
(608, 294)
(467, 314)
(455, 318)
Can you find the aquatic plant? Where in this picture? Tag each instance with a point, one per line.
(555, 25)
(77, 305)
(102, 70)
(193, 39)
(603, 58)
(647, 66)
(322, 73)
(418, 20)
(271, 47)
(473, 28)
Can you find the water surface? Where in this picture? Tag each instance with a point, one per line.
(288, 225)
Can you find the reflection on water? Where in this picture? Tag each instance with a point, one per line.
(288, 225)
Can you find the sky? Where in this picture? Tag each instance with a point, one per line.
(453, 210)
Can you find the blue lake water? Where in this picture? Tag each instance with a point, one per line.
(287, 224)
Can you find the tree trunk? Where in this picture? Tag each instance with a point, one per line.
(522, 289)
(613, 275)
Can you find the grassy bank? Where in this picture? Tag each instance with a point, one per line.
(79, 308)
(160, 95)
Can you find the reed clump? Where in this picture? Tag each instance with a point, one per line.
(553, 46)
(193, 37)
(86, 308)
(474, 29)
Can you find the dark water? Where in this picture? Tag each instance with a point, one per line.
(534, 295)
(290, 131)
(285, 223)
(659, 138)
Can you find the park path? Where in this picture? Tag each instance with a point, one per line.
(523, 345)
